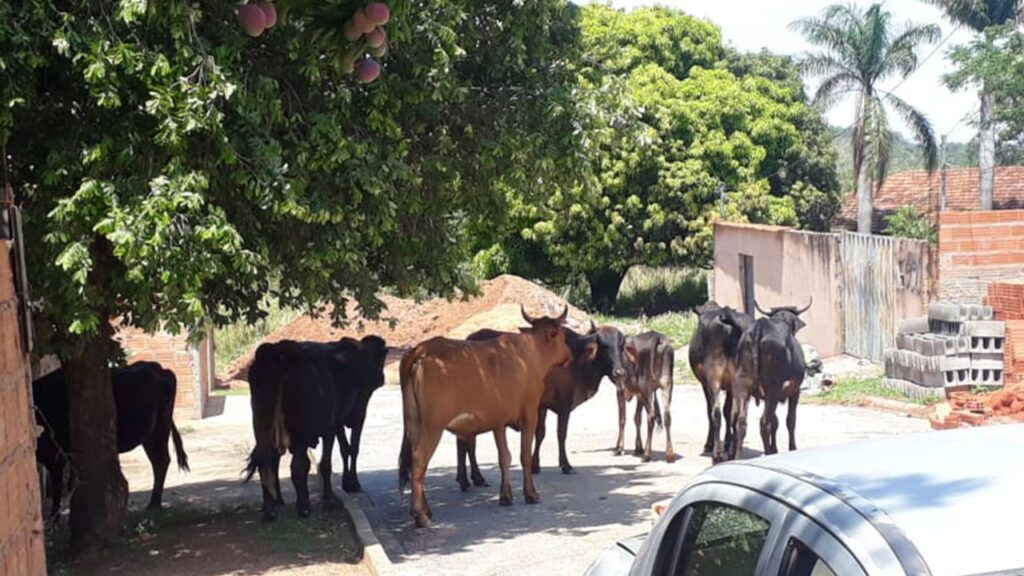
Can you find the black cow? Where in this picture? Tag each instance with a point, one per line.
(649, 360)
(770, 367)
(595, 355)
(712, 356)
(144, 396)
(302, 392)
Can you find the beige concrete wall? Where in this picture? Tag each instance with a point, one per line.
(789, 267)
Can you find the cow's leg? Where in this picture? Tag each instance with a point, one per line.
(461, 451)
(327, 496)
(350, 481)
(422, 450)
(730, 428)
(504, 461)
(666, 416)
(56, 473)
(641, 401)
(769, 424)
(159, 456)
(651, 419)
(718, 451)
(620, 395)
(346, 456)
(709, 401)
(563, 431)
(474, 468)
(740, 402)
(279, 497)
(526, 457)
(300, 477)
(542, 416)
(791, 419)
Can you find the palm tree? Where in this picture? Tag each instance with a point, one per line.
(862, 49)
(979, 15)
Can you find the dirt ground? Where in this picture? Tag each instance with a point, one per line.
(210, 524)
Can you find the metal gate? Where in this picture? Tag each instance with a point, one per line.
(870, 279)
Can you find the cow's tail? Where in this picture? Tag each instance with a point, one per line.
(179, 449)
(272, 437)
(657, 413)
(409, 374)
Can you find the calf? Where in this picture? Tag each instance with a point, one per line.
(712, 356)
(471, 387)
(649, 359)
(596, 355)
(144, 398)
(770, 367)
(302, 392)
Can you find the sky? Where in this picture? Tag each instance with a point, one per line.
(751, 25)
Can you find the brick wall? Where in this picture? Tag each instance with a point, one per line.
(21, 530)
(189, 363)
(1007, 302)
(976, 248)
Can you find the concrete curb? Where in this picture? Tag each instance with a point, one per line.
(374, 556)
(895, 407)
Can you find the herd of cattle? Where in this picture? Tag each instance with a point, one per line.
(305, 392)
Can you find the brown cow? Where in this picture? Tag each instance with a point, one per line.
(469, 388)
(596, 355)
(649, 360)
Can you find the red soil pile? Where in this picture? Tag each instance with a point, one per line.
(496, 307)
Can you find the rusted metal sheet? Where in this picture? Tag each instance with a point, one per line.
(879, 275)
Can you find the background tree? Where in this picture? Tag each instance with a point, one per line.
(994, 61)
(980, 15)
(169, 166)
(862, 49)
(678, 131)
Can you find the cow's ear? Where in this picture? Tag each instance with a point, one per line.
(798, 324)
(345, 353)
(590, 352)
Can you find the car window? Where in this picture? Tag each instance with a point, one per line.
(802, 561)
(720, 540)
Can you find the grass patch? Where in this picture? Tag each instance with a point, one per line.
(855, 391)
(678, 326)
(655, 291)
(234, 341)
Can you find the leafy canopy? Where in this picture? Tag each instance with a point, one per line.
(181, 165)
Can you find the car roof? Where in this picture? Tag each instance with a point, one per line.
(957, 495)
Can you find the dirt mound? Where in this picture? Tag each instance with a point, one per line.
(999, 406)
(496, 307)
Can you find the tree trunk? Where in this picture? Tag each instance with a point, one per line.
(101, 496)
(604, 288)
(986, 153)
(865, 207)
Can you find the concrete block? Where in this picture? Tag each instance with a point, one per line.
(947, 379)
(987, 357)
(987, 313)
(913, 390)
(986, 345)
(945, 312)
(985, 328)
(986, 364)
(952, 363)
(962, 344)
(914, 325)
(984, 377)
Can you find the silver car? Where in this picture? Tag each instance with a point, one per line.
(940, 503)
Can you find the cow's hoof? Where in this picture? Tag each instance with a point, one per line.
(617, 452)
(279, 502)
(480, 481)
(568, 469)
(638, 452)
(421, 520)
(670, 457)
(534, 499)
(303, 512)
(352, 486)
(331, 504)
(645, 458)
(505, 501)
(154, 506)
(464, 485)
(535, 469)
(269, 515)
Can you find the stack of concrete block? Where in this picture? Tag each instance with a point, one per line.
(956, 347)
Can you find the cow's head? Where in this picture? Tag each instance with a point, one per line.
(788, 315)
(611, 354)
(364, 358)
(552, 332)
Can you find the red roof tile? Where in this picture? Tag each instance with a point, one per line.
(916, 188)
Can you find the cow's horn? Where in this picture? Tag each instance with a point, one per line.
(564, 314)
(810, 300)
(526, 316)
(761, 310)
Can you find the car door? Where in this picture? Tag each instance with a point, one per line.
(805, 548)
(718, 530)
